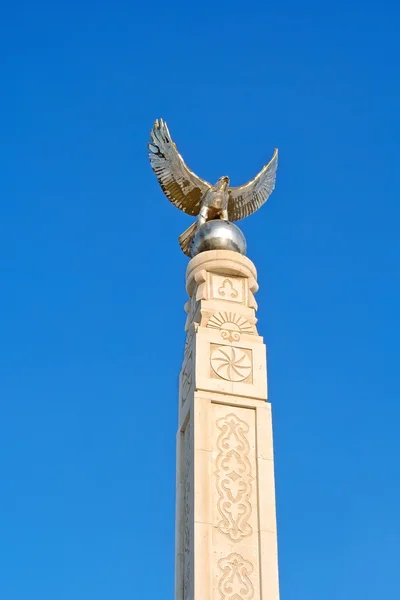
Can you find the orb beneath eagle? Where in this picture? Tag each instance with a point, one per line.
(218, 235)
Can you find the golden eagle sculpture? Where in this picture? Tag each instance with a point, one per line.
(197, 197)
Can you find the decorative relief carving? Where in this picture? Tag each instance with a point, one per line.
(187, 508)
(191, 307)
(235, 583)
(231, 363)
(227, 290)
(232, 289)
(188, 342)
(231, 325)
(187, 369)
(234, 478)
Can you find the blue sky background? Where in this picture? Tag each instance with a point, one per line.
(92, 282)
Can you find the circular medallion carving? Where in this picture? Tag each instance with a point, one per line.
(232, 364)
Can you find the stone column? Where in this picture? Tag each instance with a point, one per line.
(226, 540)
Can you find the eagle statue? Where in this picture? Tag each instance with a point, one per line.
(197, 197)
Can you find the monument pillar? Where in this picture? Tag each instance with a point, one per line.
(226, 539)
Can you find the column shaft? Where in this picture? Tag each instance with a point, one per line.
(226, 539)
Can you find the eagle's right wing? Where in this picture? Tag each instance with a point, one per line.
(181, 186)
(248, 198)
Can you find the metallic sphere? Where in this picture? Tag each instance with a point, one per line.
(218, 235)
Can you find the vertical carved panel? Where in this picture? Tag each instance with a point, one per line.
(187, 369)
(234, 478)
(235, 533)
(235, 582)
(192, 307)
(187, 513)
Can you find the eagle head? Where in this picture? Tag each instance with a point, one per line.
(222, 183)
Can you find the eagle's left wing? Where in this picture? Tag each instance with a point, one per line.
(181, 186)
(246, 199)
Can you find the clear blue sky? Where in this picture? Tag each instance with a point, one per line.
(92, 282)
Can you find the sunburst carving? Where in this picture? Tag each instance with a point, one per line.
(231, 325)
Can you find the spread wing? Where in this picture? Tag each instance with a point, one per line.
(181, 186)
(246, 199)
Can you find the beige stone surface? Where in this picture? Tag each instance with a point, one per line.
(230, 367)
(226, 540)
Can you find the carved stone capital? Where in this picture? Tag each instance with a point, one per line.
(223, 263)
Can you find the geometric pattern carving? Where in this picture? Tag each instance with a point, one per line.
(235, 583)
(231, 364)
(231, 325)
(234, 478)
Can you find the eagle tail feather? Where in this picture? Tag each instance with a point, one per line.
(185, 239)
